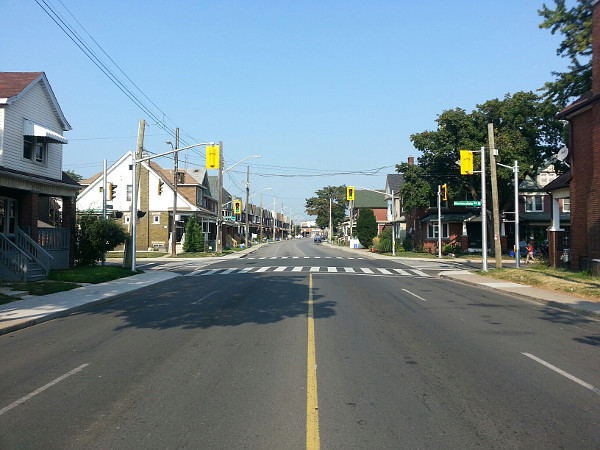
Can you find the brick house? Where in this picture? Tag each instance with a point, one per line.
(37, 199)
(583, 117)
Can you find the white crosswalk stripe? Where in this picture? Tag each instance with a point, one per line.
(379, 271)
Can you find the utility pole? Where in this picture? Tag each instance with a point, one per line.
(274, 217)
(247, 200)
(175, 182)
(495, 206)
(261, 220)
(439, 208)
(104, 187)
(220, 205)
(135, 176)
(330, 237)
(483, 214)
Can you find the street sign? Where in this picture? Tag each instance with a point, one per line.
(467, 203)
(228, 217)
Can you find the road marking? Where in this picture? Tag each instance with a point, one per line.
(227, 272)
(366, 270)
(331, 269)
(280, 269)
(246, 270)
(563, 373)
(42, 389)
(418, 272)
(401, 272)
(312, 403)
(206, 296)
(284, 257)
(317, 257)
(414, 295)
(210, 272)
(385, 271)
(349, 269)
(314, 269)
(263, 269)
(298, 269)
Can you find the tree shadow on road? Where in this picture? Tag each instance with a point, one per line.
(217, 301)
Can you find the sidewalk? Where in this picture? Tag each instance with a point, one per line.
(37, 309)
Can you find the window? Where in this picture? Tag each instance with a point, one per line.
(432, 230)
(127, 218)
(156, 219)
(566, 205)
(35, 148)
(534, 203)
(129, 192)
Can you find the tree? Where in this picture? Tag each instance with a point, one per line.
(575, 24)
(319, 206)
(194, 236)
(94, 237)
(73, 175)
(366, 227)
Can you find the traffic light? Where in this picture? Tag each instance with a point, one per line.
(444, 192)
(466, 162)
(212, 156)
(237, 207)
(112, 188)
(349, 193)
(160, 186)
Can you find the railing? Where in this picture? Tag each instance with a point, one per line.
(33, 249)
(13, 259)
(56, 242)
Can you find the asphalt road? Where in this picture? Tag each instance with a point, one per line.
(301, 344)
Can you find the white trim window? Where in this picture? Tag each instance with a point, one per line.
(432, 230)
(566, 205)
(35, 148)
(156, 219)
(534, 203)
(129, 192)
(126, 218)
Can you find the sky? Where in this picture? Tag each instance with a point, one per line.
(327, 92)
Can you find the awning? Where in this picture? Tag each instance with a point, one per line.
(33, 129)
(448, 217)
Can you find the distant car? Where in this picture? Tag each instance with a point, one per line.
(317, 239)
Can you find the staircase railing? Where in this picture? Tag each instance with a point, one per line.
(33, 249)
(13, 259)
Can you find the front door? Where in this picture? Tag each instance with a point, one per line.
(8, 216)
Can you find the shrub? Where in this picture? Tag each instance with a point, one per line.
(194, 236)
(366, 227)
(384, 241)
(407, 243)
(94, 237)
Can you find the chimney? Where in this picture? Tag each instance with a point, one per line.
(411, 160)
(596, 47)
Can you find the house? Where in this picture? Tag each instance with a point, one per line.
(37, 199)
(156, 193)
(395, 214)
(373, 200)
(583, 118)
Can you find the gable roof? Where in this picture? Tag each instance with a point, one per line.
(393, 181)
(14, 85)
(369, 199)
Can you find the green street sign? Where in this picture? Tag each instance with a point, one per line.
(228, 217)
(467, 203)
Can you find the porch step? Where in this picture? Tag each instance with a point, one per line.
(35, 272)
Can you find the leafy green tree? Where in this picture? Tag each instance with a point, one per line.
(366, 227)
(319, 206)
(94, 236)
(575, 24)
(194, 236)
(73, 175)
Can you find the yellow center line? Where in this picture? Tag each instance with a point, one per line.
(312, 404)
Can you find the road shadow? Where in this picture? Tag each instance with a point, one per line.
(217, 301)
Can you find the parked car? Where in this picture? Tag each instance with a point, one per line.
(317, 239)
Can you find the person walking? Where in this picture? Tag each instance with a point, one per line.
(529, 253)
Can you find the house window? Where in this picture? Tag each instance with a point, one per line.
(156, 219)
(129, 192)
(432, 230)
(35, 149)
(566, 205)
(534, 203)
(126, 218)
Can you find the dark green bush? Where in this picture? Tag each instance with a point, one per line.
(95, 236)
(366, 227)
(194, 236)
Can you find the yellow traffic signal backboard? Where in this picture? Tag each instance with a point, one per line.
(349, 193)
(212, 156)
(237, 207)
(466, 162)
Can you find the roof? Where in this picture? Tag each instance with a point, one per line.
(370, 199)
(561, 182)
(542, 217)
(393, 181)
(448, 217)
(13, 85)
(582, 103)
